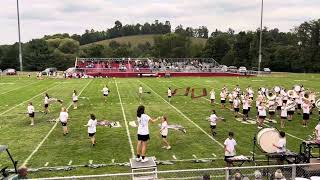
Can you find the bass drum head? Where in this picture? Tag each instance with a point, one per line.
(266, 138)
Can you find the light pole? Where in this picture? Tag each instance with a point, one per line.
(20, 48)
(260, 43)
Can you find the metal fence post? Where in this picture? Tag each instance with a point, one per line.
(294, 171)
(227, 173)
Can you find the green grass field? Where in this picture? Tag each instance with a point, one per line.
(44, 143)
(142, 39)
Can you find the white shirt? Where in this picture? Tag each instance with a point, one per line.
(306, 108)
(92, 124)
(250, 92)
(169, 92)
(63, 117)
(262, 111)
(245, 104)
(230, 146)
(284, 112)
(105, 90)
(140, 90)
(164, 128)
(222, 96)
(46, 100)
(318, 131)
(272, 106)
(236, 103)
(30, 109)
(212, 95)
(281, 145)
(213, 120)
(143, 128)
(279, 100)
(230, 97)
(74, 97)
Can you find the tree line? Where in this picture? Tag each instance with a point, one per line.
(294, 51)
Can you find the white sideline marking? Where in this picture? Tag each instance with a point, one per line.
(257, 80)
(183, 115)
(17, 88)
(214, 155)
(90, 161)
(174, 157)
(125, 121)
(27, 100)
(46, 164)
(6, 83)
(193, 155)
(70, 162)
(53, 127)
(112, 160)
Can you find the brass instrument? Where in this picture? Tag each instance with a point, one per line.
(318, 104)
(271, 96)
(292, 94)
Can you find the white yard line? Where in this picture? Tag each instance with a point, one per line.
(53, 127)
(19, 88)
(27, 100)
(183, 115)
(125, 121)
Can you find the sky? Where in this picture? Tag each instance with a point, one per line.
(43, 17)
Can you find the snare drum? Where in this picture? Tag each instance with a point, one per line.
(266, 138)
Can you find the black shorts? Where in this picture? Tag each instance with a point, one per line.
(75, 101)
(279, 108)
(299, 106)
(262, 117)
(306, 116)
(283, 117)
(271, 113)
(91, 134)
(245, 111)
(213, 126)
(163, 136)
(231, 102)
(169, 96)
(236, 109)
(290, 112)
(64, 123)
(223, 101)
(227, 157)
(143, 137)
(31, 114)
(105, 94)
(284, 101)
(46, 105)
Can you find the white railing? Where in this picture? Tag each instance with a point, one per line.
(251, 172)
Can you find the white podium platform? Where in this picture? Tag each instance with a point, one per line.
(149, 166)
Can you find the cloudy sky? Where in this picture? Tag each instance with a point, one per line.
(40, 17)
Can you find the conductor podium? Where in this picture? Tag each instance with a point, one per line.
(139, 167)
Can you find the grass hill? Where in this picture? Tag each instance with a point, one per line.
(141, 39)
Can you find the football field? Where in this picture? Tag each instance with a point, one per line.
(43, 145)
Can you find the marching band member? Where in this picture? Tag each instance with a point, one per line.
(223, 98)
(262, 114)
(283, 114)
(291, 108)
(306, 111)
(237, 89)
(281, 146)
(212, 96)
(92, 129)
(30, 109)
(272, 109)
(64, 120)
(284, 96)
(236, 106)
(317, 132)
(230, 98)
(105, 92)
(245, 107)
(143, 133)
(279, 102)
(229, 148)
(312, 97)
(46, 103)
(213, 122)
(75, 99)
(169, 94)
(164, 132)
(299, 103)
(250, 92)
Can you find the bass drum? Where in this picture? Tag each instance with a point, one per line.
(266, 138)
